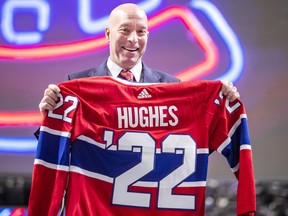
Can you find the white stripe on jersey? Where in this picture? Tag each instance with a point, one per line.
(55, 132)
(51, 165)
(245, 146)
(230, 134)
(91, 174)
(139, 183)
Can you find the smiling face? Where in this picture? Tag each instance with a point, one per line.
(127, 34)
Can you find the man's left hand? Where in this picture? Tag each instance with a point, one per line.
(230, 91)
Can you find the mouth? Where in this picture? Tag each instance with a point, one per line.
(130, 49)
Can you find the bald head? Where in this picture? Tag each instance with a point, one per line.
(127, 34)
(129, 10)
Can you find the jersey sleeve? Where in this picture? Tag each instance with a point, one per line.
(51, 164)
(229, 135)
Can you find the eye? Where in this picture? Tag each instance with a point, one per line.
(142, 32)
(124, 30)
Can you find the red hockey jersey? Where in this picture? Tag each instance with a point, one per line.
(120, 148)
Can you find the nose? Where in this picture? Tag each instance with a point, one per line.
(133, 37)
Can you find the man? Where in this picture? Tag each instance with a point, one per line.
(127, 34)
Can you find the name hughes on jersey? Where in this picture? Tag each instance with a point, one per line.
(151, 116)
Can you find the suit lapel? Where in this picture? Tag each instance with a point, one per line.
(100, 70)
(149, 76)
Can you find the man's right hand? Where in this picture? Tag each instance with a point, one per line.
(50, 98)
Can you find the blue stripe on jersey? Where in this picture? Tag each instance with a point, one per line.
(240, 137)
(243, 130)
(107, 162)
(113, 163)
(53, 149)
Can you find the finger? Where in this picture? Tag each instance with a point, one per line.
(43, 107)
(54, 88)
(47, 100)
(236, 96)
(232, 96)
(227, 83)
(224, 84)
(51, 94)
(226, 87)
(232, 90)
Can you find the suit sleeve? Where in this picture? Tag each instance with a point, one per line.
(51, 165)
(229, 135)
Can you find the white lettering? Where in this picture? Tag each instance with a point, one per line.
(151, 116)
(135, 115)
(171, 111)
(143, 119)
(122, 117)
(163, 116)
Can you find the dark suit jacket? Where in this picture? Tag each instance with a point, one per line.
(148, 75)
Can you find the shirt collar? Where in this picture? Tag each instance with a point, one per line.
(115, 69)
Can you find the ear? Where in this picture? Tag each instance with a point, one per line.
(107, 34)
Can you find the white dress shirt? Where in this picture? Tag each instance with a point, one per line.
(115, 69)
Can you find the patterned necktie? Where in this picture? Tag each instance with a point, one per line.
(128, 75)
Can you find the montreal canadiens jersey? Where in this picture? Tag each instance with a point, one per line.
(120, 148)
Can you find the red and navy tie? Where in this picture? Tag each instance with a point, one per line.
(128, 75)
